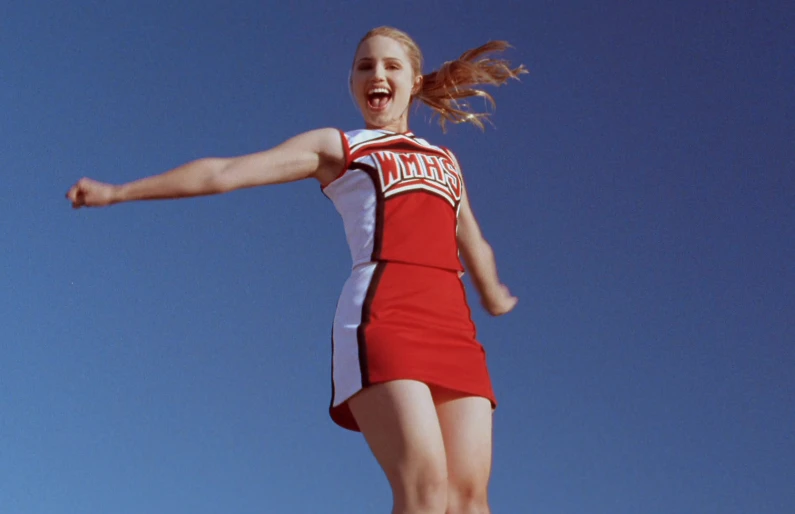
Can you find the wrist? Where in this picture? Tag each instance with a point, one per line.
(117, 194)
(490, 291)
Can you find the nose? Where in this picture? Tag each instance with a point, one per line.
(379, 71)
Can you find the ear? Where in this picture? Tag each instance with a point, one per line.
(417, 85)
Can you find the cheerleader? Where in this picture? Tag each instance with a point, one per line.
(408, 371)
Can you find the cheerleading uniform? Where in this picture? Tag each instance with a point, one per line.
(402, 313)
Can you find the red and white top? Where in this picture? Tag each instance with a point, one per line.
(399, 198)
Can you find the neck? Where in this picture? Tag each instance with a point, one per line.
(388, 128)
(400, 125)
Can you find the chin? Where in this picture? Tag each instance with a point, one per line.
(384, 118)
(377, 122)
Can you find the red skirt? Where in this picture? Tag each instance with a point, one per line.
(402, 321)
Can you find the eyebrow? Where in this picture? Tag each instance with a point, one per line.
(368, 59)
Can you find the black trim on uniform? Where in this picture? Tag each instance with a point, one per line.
(360, 331)
(333, 389)
(395, 146)
(378, 233)
(356, 165)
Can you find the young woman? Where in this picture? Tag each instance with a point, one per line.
(407, 370)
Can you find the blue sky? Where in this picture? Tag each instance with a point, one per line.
(638, 189)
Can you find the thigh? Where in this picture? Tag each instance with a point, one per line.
(399, 422)
(466, 426)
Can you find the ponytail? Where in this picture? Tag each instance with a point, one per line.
(447, 89)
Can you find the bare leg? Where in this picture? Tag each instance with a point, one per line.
(398, 420)
(466, 423)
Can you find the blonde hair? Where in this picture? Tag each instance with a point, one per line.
(445, 90)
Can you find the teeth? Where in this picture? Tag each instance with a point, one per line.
(378, 90)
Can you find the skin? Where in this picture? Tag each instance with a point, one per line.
(434, 445)
(382, 61)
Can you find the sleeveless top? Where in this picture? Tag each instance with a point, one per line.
(398, 197)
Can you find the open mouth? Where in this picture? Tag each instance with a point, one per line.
(378, 98)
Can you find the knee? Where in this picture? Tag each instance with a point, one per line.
(432, 493)
(467, 498)
(426, 493)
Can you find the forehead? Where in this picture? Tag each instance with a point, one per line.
(381, 47)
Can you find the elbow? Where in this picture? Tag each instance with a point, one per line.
(475, 250)
(216, 180)
(473, 243)
(485, 250)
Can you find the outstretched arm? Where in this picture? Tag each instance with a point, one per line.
(316, 154)
(479, 260)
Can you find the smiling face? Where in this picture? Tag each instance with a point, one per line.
(383, 82)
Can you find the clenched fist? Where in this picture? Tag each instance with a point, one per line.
(91, 193)
(500, 301)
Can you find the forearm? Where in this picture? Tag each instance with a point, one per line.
(196, 178)
(482, 267)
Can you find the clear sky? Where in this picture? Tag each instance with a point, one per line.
(174, 357)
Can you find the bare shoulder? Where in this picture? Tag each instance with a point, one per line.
(327, 144)
(322, 140)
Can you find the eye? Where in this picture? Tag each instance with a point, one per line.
(364, 67)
